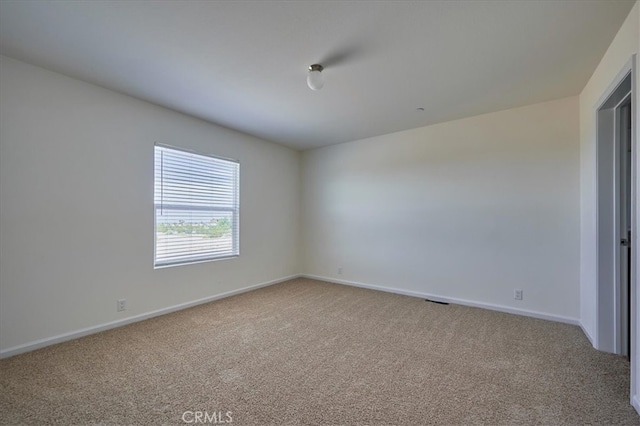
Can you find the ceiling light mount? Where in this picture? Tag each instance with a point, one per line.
(314, 79)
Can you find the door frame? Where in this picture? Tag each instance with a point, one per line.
(608, 329)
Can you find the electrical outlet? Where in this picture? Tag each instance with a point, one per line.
(340, 270)
(122, 305)
(517, 294)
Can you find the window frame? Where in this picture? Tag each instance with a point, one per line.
(235, 231)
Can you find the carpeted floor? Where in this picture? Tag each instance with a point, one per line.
(314, 353)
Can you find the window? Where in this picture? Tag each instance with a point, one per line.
(196, 207)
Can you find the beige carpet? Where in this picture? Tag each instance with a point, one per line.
(308, 352)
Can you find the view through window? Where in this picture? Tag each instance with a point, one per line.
(196, 201)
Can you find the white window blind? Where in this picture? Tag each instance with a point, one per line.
(196, 207)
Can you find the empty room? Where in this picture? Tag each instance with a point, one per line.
(319, 212)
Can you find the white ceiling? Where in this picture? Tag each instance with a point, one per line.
(243, 64)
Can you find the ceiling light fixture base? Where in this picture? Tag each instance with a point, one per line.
(314, 79)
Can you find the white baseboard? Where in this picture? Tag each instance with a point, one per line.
(591, 339)
(141, 317)
(471, 303)
(635, 401)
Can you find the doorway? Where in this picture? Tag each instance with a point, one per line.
(624, 151)
(615, 200)
(615, 171)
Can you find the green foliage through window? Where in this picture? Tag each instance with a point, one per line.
(216, 228)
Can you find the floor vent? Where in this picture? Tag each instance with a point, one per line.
(436, 301)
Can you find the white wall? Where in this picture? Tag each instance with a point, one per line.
(619, 52)
(470, 209)
(76, 206)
